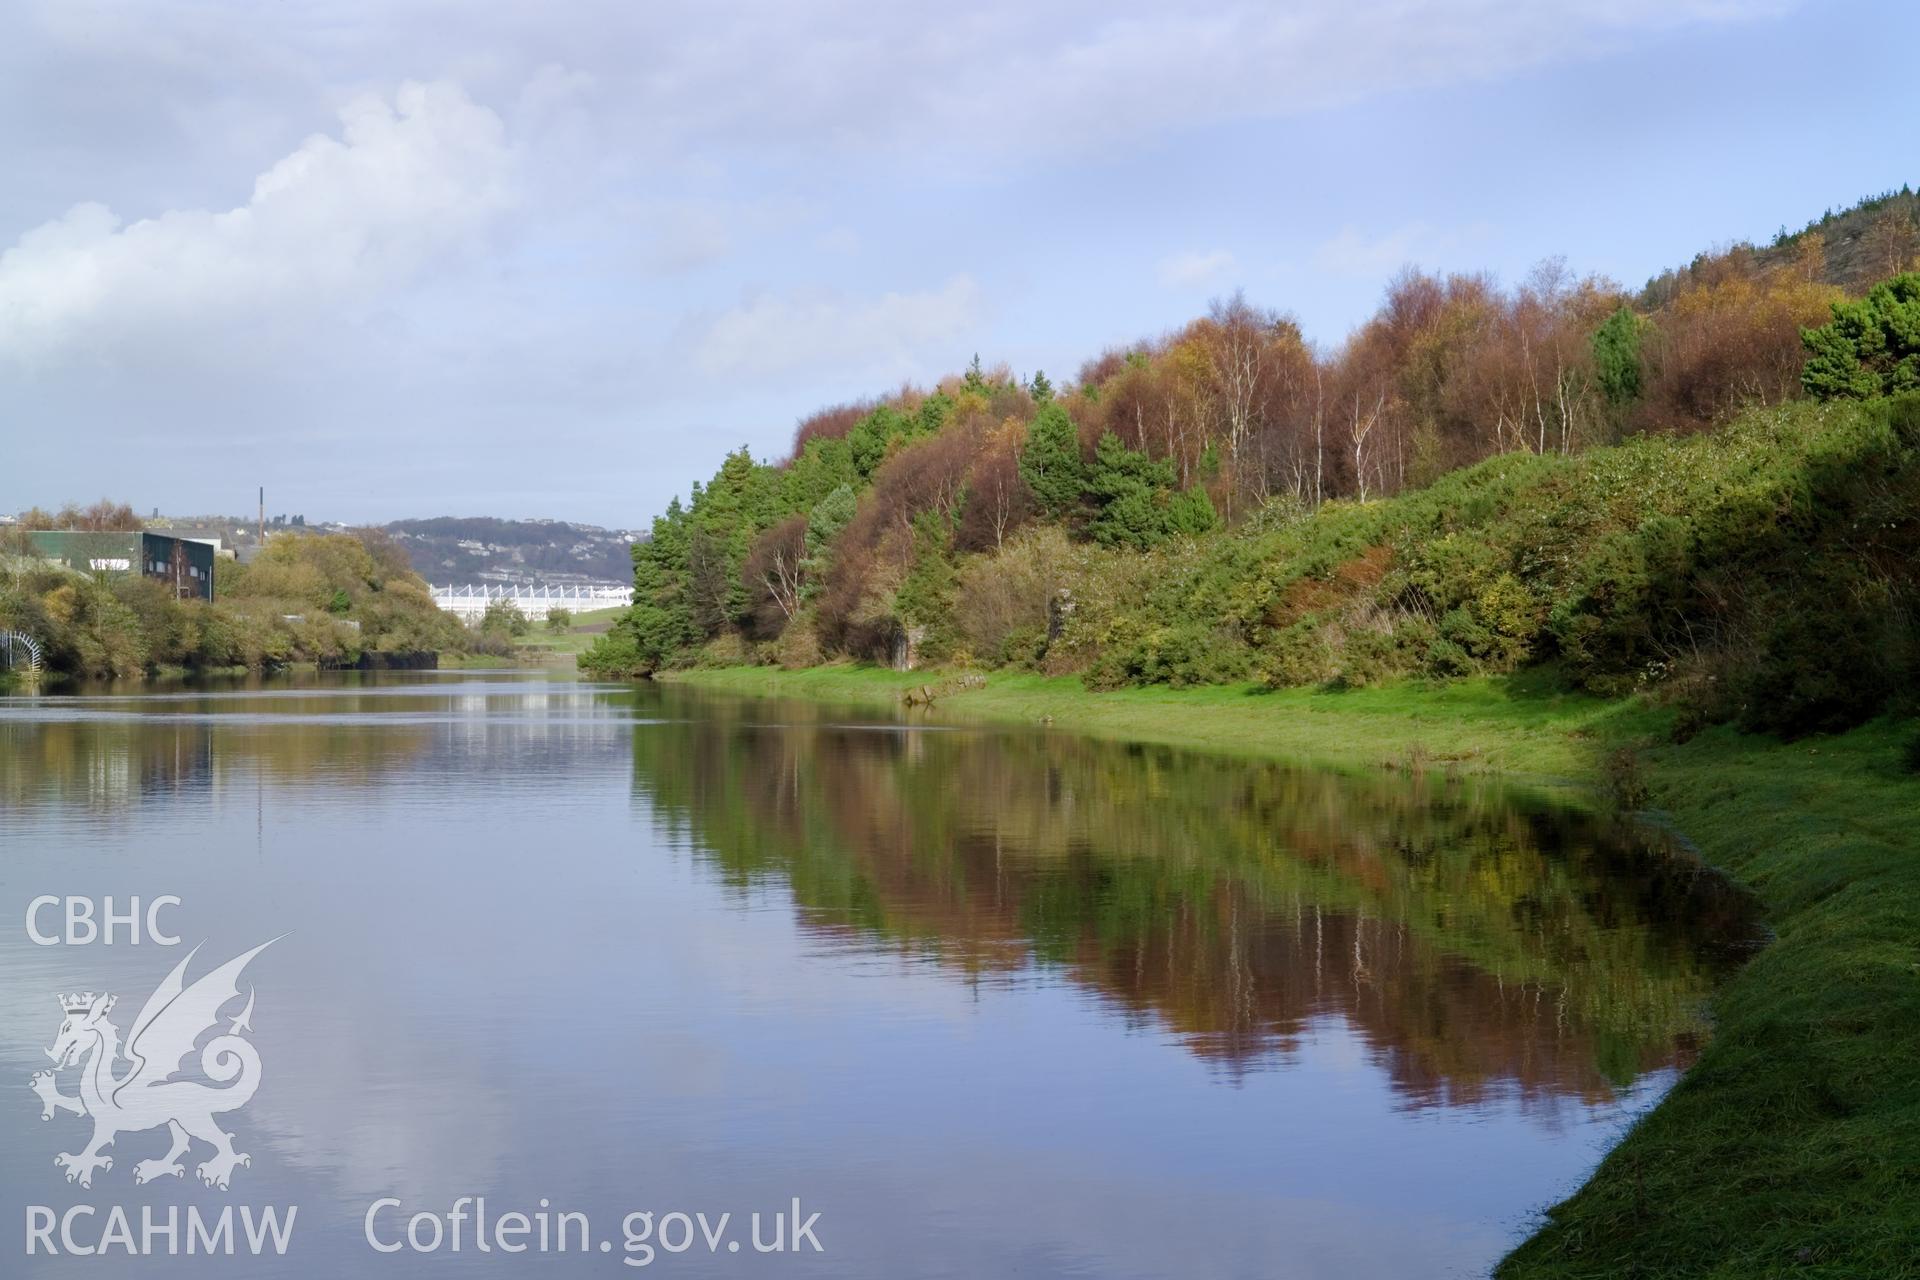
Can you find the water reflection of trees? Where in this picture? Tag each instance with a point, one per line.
(1476, 941)
(109, 764)
(114, 746)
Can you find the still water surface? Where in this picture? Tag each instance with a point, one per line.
(988, 1001)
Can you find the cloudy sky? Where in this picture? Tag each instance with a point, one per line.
(393, 258)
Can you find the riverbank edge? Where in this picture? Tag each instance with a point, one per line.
(1793, 1144)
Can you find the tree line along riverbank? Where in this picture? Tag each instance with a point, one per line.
(1761, 572)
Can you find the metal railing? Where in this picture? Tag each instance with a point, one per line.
(21, 652)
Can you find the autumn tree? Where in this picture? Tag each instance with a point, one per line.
(916, 493)
(1730, 340)
(832, 423)
(1360, 395)
(998, 499)
(1143, 399)
(1529, 371)
(1242, 378)
(776, 575)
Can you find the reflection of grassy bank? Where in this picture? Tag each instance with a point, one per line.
(1794, 1144)
(478, 662)
(1512, 727)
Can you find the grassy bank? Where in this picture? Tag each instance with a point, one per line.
(1793, 1147)
(581, 630)
(1516, 727)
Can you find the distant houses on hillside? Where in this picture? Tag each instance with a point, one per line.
(527, 554)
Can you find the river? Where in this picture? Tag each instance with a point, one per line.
(987, 1001)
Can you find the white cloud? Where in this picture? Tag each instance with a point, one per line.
(1356, 253)
(1194, 269)
(406, 180)
(1005, 76)
(774, 334)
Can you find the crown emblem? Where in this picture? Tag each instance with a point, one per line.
(81, 1003)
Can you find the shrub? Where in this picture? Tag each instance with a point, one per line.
(798, 645)
(997, 597)
(1299, 655)
(1446, 658)
(729, 649)
(1821, 672)
(1182, 654)
(1369, 657)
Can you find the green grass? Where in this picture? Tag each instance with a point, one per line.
(1793, 1146)
(544, 644)
(1518, 727)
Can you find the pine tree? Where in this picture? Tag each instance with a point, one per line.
(976, 378)
(1051, 463)
(1871, 347)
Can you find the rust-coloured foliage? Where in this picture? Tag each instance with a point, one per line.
(998, 501)
(829, 424)
(1450, 369)
(775, 576)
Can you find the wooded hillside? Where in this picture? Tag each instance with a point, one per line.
(1479, 477)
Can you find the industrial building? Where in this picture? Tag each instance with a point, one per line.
(185, 564)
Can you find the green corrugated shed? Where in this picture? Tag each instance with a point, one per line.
(181, 563)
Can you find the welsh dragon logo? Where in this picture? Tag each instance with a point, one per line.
(151, 1092)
